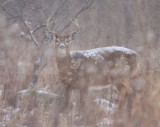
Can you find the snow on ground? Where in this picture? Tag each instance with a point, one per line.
(104, 104)
(108, 106)
(106, 122)
(6, 114)
(38, 92)
(109, 86)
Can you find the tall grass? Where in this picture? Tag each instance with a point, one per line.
(17, 55)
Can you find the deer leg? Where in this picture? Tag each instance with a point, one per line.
(83, 106)
(63, 108)
(129, 105)
(64, 104)
(126, 99)
(83, 97)
(68, 91)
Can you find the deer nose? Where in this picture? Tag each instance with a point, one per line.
(62, 46)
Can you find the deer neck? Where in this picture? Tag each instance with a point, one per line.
(63, 62)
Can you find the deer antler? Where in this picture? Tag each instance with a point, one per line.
(50, 22)
(47, 24)
(76, 24)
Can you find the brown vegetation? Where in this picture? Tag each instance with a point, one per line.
(16, 72)
(133, 24)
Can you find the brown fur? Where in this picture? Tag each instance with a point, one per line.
(79, 71)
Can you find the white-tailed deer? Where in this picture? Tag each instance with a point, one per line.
(82, 69)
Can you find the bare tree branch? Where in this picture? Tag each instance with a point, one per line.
(5, 10)
(87, 6)
(31, 32)
(29, 10)
(6, 2)
(57, 11)
(37, 28)
(40, 61)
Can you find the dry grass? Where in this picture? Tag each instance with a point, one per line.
(16, 67)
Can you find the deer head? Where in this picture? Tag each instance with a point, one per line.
(63, 43)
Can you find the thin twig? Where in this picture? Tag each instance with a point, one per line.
(30, 33)
(5, 10)
(78, 13)
(37, 28)
(57, 11)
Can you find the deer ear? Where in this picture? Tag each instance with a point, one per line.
(73, 36)
(51, 35)
(55, 36)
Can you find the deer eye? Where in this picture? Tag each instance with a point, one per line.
(56, 41)
(67, 42)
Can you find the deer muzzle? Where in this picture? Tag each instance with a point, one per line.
(61, 46)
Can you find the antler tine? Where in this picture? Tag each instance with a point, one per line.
(76, 24)
(48, 23)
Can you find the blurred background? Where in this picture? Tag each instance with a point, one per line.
(27, 54)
